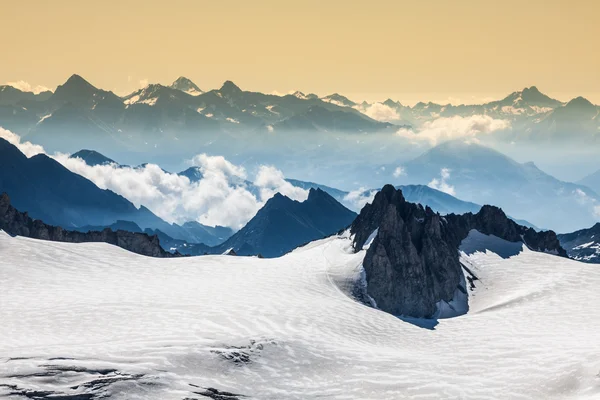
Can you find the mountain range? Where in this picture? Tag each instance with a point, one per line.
(79, 115)
(164, 115)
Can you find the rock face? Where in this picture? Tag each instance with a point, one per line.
(284, 224)
(413, 262)
(583, 245)
(18, 223)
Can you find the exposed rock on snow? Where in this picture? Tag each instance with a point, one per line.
(583, 245)
(18, 223)
(412, 263)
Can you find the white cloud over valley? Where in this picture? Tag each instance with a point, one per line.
(442, 184)
(444, 129)
(223, 196)
(381, 112)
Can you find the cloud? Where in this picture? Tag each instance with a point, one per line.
(27, 87)
(586, 200)
(270, 180)
(222, 197)
(143, 83)
(27, 148)
(441, 184)
(398, 172)
(357, 199)
(444, 129)
(381, 112)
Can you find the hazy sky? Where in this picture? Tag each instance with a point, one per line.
(458, 51)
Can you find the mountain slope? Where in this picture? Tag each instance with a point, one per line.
(592, 181)
(283, 224)
(583, 245)
(186, 85)
(320, 118)
(10, 95)
(481, 175)
(48, 191)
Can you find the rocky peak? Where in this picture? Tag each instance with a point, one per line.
(186, 85)
(77, 81)
(580, 102)
(392, 103)
(412, 262)
(229, 88)
(75, 87)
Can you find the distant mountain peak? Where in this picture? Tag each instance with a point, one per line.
(299, 95)
(76, 81)
(186, 85)
(529, 96)
(229, 88)
(339, 100)
(392, 103)
(532, 89)
(580, 102)
(92, 157)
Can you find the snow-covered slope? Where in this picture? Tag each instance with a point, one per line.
(94, 319)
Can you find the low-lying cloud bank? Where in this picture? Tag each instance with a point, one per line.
(444, 129)
(224, 196)
(380, 112)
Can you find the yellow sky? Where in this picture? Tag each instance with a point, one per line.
(462, 51)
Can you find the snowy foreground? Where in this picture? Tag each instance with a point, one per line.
(96, 320)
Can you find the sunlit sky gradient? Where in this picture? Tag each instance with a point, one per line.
(445, 51)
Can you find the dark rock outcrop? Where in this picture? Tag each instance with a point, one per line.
(19, 223)
(413, 262)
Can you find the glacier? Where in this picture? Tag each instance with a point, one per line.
(91, 320)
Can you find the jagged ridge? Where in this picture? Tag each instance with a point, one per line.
(19, 223)
(413, 261)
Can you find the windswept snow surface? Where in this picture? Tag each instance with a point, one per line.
(95, 320)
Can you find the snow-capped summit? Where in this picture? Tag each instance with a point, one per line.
(151, 94)
(299, 95)
(529, 97)
(186, 85)
(338, 100)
